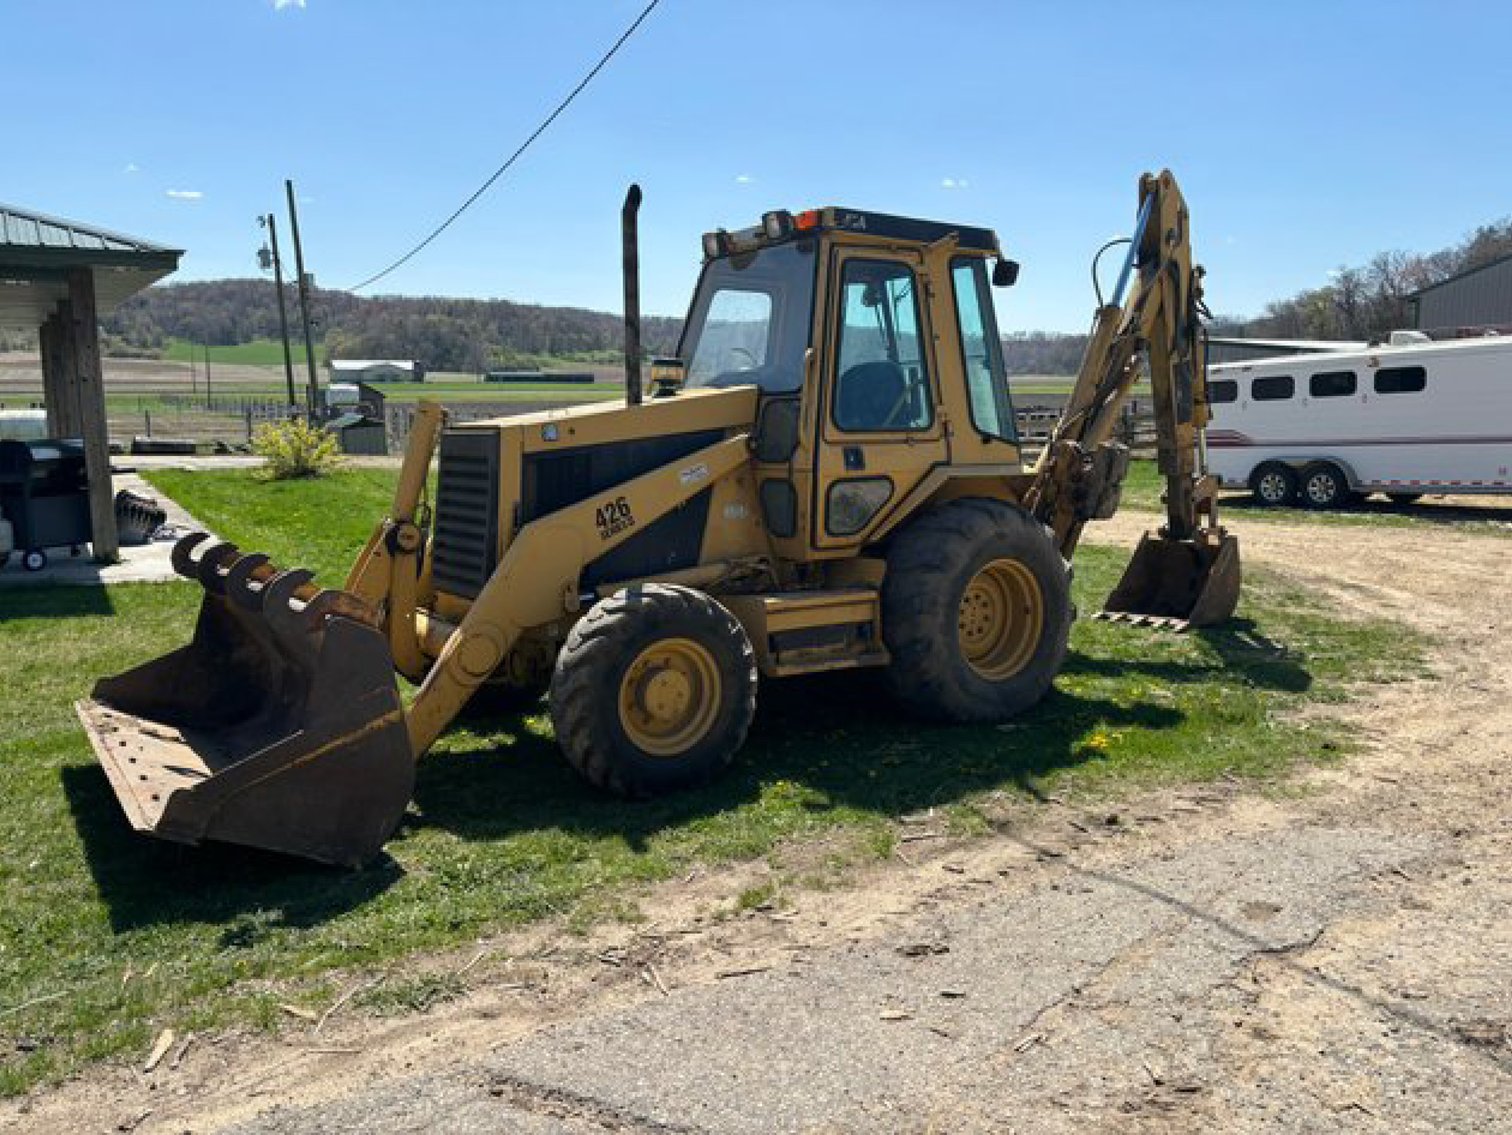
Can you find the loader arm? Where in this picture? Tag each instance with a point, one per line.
(1157, 329)
(537, 581)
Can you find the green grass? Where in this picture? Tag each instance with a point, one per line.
(259, 352)
(1143, 488)
(112, 936)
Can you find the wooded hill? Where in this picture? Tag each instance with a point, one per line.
(442, 333)
(1363, 302)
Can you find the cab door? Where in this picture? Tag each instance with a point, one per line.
(881, 428)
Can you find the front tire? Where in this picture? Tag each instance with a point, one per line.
(653, 691)
(1324, 486)
(976, 612)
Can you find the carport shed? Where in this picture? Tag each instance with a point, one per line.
(57, 277)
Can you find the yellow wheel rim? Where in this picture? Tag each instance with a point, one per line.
(1001, 617)
(669, 697)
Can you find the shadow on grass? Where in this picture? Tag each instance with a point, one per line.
(53, 601)
(837, 734)
(1242, 651)
(146, 881)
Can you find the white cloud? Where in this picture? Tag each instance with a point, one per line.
(185, 194)
(280, 5)
(743, 179)
(953, 183)
(132, 167)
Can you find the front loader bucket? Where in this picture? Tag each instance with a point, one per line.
(1178, 584)
(279, 726)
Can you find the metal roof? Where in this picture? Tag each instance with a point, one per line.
(37, 250)
(1458, 276)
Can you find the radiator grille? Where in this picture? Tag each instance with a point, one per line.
(466, 533)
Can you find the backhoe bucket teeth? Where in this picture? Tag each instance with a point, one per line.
(279, 726)
(1176, 584)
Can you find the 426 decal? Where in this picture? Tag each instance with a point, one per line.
(613, 517)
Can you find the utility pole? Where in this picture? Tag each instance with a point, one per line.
(207, 376)
(304, 301)
(283, 309)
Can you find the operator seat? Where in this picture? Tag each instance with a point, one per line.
(870, 395)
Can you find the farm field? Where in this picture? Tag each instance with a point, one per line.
(124, 936)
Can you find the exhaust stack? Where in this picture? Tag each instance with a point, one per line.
(631, 241)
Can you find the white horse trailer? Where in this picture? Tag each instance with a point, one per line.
(1410, 418)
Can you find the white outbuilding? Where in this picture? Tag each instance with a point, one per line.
(376, 370)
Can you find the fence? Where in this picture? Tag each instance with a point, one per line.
(214, 420)
(1134, 428)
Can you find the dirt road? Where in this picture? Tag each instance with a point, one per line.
(1337, 957)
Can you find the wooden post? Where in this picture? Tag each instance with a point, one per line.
(58, 364)
(70, 420)
(89, 384)
(52, 397)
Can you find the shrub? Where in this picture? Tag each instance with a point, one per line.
(295, 449)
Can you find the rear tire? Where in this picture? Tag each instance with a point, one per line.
(653, 691)
(1274, 485)
(34, 560)
(1324, 485)
(976, 612)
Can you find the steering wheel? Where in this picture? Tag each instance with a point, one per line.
(892, 417)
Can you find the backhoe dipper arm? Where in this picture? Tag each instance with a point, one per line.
(1157, 328)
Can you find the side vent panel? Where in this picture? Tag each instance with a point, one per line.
(466, 533)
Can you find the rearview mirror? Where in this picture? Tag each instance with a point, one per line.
(1005, 273)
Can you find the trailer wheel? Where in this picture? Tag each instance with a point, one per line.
(976, 612)
(34, 560)
(1274, 485)
(1324, 486)
(654, 690)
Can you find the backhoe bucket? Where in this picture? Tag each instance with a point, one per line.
(1176, 584)
(279, 726)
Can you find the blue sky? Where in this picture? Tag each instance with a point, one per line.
(1305, 135)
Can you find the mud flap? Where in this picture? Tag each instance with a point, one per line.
(1177, 584)
(279, 726)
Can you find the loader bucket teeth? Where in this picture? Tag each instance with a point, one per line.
(278, 726)
(242, 586)
(1176, 584)
(183, 550)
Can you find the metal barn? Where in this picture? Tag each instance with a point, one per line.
(1479, 298)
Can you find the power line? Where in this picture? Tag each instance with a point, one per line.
(525, 145)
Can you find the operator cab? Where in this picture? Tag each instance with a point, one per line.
(753, 318)
(871, 335)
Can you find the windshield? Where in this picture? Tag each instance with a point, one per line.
(749, 324)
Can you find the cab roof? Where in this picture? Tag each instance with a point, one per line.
(839, 218)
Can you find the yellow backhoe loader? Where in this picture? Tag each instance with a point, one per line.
(827, 476)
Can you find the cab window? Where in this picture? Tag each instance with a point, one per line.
(735, 335)
(882, 379)
(986, 377)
